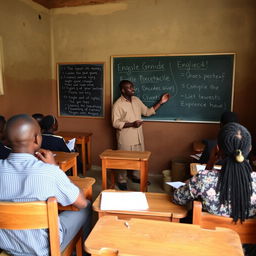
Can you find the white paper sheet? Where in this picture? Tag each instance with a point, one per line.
(71, 144)
(123, 201)
(175, 184)
(200, 167)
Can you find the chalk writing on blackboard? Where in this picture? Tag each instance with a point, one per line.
(81, 90)
(201, 85)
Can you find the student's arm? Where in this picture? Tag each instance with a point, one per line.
(81, 202)
(214, 157)
(190, 191)
(62, 146)
(164, 98)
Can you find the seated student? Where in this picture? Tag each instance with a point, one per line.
(226, 117)
(49, 125)
(33, 176)
(232, 190)
(4, 150)
(38, 117)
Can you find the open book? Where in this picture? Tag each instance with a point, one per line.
(71, 144)
(123, 201)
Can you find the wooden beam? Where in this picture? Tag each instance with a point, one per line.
(70, 3)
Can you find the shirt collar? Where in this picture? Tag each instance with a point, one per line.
(124, 99)
(21, 155)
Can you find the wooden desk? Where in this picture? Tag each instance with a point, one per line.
(83, 139)
(66, 161)
(152, 237)
(193, 169)
(85, 184)
(127, 160)
(160, 208)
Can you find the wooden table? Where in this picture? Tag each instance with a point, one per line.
(193, 169)
(85, 184)
(127, 160)
(138, 237)
(66, 161)
(83, 139)
(160, 208)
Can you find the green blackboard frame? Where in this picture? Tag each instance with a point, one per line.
(183, 76)
(89, 88)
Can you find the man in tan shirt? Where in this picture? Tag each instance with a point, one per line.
(126, 119)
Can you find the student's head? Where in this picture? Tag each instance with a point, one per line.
(228, 117)
(38, 117)
(23, 134)
(2, 126)
(234, 184)
(49, 124)
(127, 88)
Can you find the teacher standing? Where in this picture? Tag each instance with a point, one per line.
(126, 119)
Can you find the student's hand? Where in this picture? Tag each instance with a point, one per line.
(164, 98)
(137, 123)
(46, 156)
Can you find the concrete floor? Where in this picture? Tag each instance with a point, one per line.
(155, 186)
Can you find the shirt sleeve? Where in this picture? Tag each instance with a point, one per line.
(188, 192)
(66, 192)
(117, 117)
(145, 111)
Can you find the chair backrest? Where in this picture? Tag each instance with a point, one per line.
(246, 230)
(33, 215)
(108, 252)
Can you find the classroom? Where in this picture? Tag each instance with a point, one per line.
(34, 38)
(93, 33)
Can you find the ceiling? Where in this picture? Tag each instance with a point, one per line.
(69, 3)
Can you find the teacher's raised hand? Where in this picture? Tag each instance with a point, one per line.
(165, 97)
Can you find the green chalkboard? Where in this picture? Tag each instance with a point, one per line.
(201, 85)
(81, 89)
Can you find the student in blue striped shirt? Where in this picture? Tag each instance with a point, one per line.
(30, 174)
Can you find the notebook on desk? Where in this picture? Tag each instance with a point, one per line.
(123, 201)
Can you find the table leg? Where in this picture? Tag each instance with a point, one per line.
(112, 178)
(83, 154)
(74, 168)
(89, 152)
(104, 175)
(143, 176)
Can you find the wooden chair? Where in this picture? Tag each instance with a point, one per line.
(38, 215)
(108, 252)
(246, 230)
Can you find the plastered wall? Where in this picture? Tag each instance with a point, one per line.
(25, 32)
(94, 33)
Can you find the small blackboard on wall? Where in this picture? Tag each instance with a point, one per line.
(201, 85)
(81, 89)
